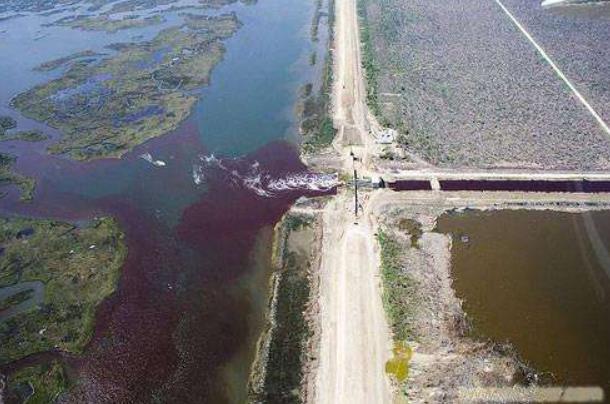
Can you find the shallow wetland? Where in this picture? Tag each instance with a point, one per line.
(196, 204)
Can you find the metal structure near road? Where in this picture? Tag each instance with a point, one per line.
(354, 159)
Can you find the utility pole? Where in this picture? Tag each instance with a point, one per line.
(354, 158)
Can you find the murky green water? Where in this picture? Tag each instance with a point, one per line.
(540, 280)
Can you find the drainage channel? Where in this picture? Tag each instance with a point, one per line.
(568, 186)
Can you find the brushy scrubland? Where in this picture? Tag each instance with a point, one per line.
(79, 267)
(465, 88)
(577, 39)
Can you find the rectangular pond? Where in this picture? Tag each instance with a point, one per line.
(541, 281)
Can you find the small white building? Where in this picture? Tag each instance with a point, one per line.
(387, 136)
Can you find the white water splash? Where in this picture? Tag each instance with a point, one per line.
(256, 185)
(210, 160)
(198, 176)
(263, 183)
(148, 157)
(310, 181)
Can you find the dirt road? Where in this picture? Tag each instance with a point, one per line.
(355, 339)
(349, 104)
(469, 174)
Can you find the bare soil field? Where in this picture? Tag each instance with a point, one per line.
(466, 88)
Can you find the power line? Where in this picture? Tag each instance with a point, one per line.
(354, 159)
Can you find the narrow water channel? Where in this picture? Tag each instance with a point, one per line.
(541, 281)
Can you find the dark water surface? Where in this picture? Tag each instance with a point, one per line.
(540, 280)
(526, 185)
(410, 185)
(183, 322)
(573, 186)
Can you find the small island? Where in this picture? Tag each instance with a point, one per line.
(107, 24)
(57, 63)
(9, 177)
(142, 91)
(7, 123)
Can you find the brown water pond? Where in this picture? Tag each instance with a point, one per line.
(540, 280)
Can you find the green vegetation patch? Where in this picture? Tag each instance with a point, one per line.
(399, 289)
(317, 16)
(9, 177)
(369, 63)
(143, 91)
(399, 299)
(284, 371)
(7, 123)
(78, 266)
(107, 24)
(317, 124)
(141, 5)
(413, 228)
(38, 384)
(133, 5)
(56, 63)
(25, 136)
(296, 222)
(398, 366)
(288, 340)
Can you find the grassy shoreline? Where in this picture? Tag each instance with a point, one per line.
(279, 369)
(316, 124)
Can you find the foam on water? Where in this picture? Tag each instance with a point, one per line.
(148, 157)
(255, 178)
(198, 176)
